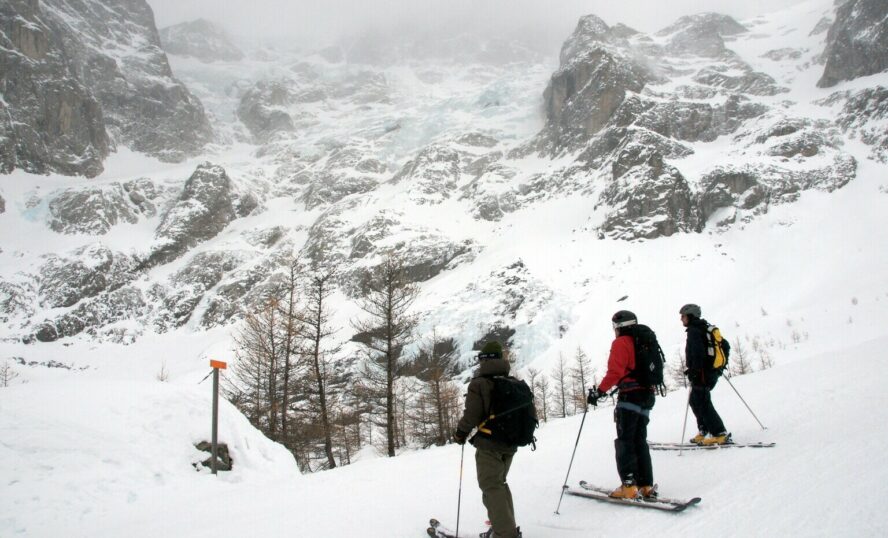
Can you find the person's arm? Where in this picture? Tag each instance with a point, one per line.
(617, 363)
(474, 413)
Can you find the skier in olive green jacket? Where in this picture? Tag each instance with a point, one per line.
(492, 458)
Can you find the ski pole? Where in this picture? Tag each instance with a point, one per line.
(462, 453)
(728, 379)
(685, 425)
(564, 487)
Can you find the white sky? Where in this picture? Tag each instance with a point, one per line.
(324, 21)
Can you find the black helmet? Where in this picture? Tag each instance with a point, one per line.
(691, 310)
(624, 318)
(491, 350)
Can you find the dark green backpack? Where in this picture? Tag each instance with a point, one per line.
(512, 418)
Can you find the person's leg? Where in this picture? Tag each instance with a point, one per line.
(699, 402)
(712, 418)
(645, 475)
(491, 467)
(507, 463)
(624, 445)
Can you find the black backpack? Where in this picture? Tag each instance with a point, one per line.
(512, 419)
(649, 359)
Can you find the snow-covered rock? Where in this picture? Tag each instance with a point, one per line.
(204, 208)
(56, 124)
(263, 109)
(857, 42)
(200, 39)
(95, 210)
(865, 115)
(84, 273)
(143, 104)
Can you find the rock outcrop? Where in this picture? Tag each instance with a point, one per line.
(200, 39)
(51, 121)
(95, 210)
(857, 42)
(203, 209)
(86, 272)
(115, 49)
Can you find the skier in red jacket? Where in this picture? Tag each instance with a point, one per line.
(631, 413)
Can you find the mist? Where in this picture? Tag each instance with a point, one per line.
(542, 24)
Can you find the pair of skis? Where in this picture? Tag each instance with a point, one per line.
(665, 504)
(693, 446)
(589, 491)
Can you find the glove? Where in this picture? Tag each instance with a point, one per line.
(594, 396)
(459, 437)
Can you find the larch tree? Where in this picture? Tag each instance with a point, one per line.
(384, 331)
(315, 339)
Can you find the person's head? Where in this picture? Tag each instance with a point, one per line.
(491, 350)
(690, 312)
(622, 321)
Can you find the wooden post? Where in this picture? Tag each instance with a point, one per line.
(217, 365)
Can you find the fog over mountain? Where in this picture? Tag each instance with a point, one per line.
(543, 23)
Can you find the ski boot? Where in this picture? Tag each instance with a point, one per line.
(648, 493)
(627, 490)
(698, 439)
(723, 438)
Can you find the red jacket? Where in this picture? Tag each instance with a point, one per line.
(620, 362)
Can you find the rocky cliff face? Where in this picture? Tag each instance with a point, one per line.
(51, 121)
(857, 42)
(635, 105)
(200, 39)
(144, 106)
(77, 74)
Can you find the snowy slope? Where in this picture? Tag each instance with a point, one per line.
(74, 465)
(98, 446)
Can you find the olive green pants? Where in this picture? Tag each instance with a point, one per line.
(493, 467)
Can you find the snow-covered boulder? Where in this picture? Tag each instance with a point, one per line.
(95, 210)
(864, 115)
(701, 34)
(432, 175)
(651, 200)
(200, 39)
(346, 171)
(187, 286)
(203, 209)
(264, 109)
(91, 315)
(85, 272)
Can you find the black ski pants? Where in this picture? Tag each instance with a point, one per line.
(632, 452)
(708, 420)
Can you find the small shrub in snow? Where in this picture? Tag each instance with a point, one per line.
(7, 374)
(163, 374)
